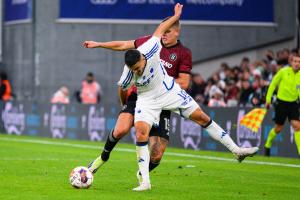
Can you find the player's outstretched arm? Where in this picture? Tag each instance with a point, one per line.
(164, 26)
(112, 45)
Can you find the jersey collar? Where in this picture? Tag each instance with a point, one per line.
(177, 44)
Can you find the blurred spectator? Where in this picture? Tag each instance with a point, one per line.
(216, 97)
(224, 71)
(245, 63)
(256, 100)
(273, 68)
(90, 90)
(294, 52)
(283, 57)
(236, 71)
(5, 87)
(269, 54)
(61, 96)
(243, 85)
(232, 93)
(246, 91)
(197, 88)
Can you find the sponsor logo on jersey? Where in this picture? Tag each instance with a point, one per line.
(173, 57)
(166, 64)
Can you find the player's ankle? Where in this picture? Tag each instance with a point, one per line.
(105, 155)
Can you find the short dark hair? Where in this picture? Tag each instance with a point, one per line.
(90, 74)
(132, 56)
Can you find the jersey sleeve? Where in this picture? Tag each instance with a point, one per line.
(126, 79)
(185, 65)
(141, 40)
(151, 48)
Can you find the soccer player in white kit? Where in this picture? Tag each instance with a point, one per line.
(158, 91)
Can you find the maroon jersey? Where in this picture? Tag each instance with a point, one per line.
(176, 59)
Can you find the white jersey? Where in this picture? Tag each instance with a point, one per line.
(157, 91)
(154, 81)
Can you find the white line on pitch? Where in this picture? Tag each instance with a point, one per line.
(133, 151)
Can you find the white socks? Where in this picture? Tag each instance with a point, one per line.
(217, 133)
(143, 159)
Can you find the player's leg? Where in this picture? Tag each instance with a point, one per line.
(188, 108)
(271, 136)
(159, 139)
(296, 126)
(146, 114)
(142, 135)
(217, 133)
(293, 116)
(281, 113)
(158, 146)
(122, 127)
(213, 129)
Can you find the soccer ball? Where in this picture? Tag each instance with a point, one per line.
(81, 177)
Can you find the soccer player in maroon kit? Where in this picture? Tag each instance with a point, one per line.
(177, 61)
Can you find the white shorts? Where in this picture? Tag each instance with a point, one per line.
(176, 100)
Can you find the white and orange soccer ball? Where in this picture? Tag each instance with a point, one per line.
(81, 177)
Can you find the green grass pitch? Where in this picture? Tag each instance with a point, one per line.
(38, 168)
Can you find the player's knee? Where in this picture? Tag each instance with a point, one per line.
(141, 135)
(120, 132)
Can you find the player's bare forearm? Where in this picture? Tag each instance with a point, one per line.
(183, 80)
(112, 45)
(122, 95)
(164, 26)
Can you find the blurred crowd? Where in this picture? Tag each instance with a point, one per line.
(242, 85)
(89, 93)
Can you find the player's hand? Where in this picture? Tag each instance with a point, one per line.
(178, 9)
(90, 44)
(268, 105)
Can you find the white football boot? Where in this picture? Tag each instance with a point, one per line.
(142, 187)
(242, 153)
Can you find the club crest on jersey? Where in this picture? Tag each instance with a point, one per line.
(173, 57)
